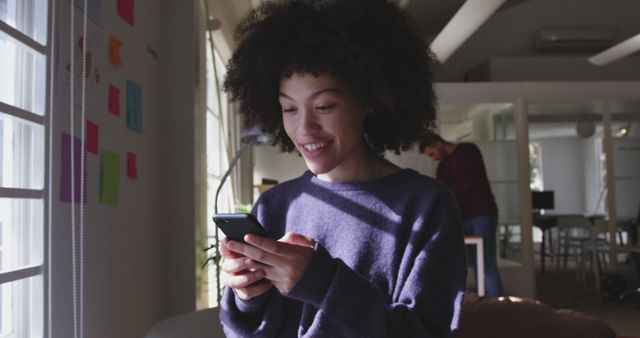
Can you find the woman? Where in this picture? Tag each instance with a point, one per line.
(364, 249)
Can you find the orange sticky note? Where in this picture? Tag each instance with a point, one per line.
(114, 100)
(114, 51)
(132, 169)
(92, 137)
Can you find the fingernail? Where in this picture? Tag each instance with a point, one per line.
(247, 262)
(248, 238)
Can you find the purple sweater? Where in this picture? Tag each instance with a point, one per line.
(389, 261)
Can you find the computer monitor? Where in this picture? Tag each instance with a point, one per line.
(542, 200)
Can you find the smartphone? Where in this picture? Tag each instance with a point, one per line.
(236, 226)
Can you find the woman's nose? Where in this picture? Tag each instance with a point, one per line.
(308, 121)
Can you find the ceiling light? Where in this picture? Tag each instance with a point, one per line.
(464, 23)
(623, 131)
(616, 52)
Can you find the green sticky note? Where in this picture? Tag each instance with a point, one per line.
(109, 177)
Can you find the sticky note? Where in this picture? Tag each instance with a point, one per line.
(66, 181)
(125, 9)
(132, 168)
(91, 141)
(114, 51)
(109, 177)
(114, 100)
(134, 106)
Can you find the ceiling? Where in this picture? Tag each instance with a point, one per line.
(509, 33)
(432, 15)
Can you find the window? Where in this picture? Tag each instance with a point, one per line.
(23, 100)
(218, 153)
(535, 166)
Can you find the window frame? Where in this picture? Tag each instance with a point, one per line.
(44, 194)
(221, 113)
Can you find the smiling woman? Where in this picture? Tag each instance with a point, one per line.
(371, 47)
(325, 123)
(357, 246)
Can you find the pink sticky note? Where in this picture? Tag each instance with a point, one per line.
(72, 178)
(114, 100)
(92, 137)
(132, 169)
(125, 9)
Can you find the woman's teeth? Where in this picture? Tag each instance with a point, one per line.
(314, 146)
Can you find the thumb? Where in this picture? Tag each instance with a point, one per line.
(297, 239)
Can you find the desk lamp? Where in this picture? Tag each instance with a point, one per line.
(253, 136)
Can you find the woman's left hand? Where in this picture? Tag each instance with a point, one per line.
(283, 261)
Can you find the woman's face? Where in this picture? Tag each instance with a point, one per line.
(324, 122)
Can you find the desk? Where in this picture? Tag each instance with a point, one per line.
(548, 221)
(477, 241)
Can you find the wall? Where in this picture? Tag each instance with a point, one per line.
(563, 171)
(549, 68)
(178, 148)
(270, 163)
(139, 265)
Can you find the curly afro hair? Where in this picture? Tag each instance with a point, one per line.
(370, 45)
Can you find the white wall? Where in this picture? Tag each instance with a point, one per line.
(177, 148)
(569, 168)
(270, 163)
(139, 265)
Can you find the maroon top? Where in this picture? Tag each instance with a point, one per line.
(463, 171)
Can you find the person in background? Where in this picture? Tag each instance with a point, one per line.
(357, 246)
(461, 167)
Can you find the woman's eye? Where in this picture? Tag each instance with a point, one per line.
(324, 107)
(288, 110)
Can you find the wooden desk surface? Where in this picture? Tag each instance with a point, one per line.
(547, 221)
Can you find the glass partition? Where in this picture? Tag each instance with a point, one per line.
(625, 132)
(491, 127)
(567, 168)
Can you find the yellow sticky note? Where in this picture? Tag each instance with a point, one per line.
(114, 51)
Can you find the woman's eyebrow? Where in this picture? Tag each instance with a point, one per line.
(327, 90)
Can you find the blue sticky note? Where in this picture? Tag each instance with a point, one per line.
(134, 106)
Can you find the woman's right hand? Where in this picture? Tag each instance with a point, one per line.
(244, 275)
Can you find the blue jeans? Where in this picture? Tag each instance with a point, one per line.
(485, 227)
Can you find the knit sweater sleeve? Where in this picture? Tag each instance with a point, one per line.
(430, 298)
(260, 316)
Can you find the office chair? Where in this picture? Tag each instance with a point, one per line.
(574, 232)
(635, 259)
